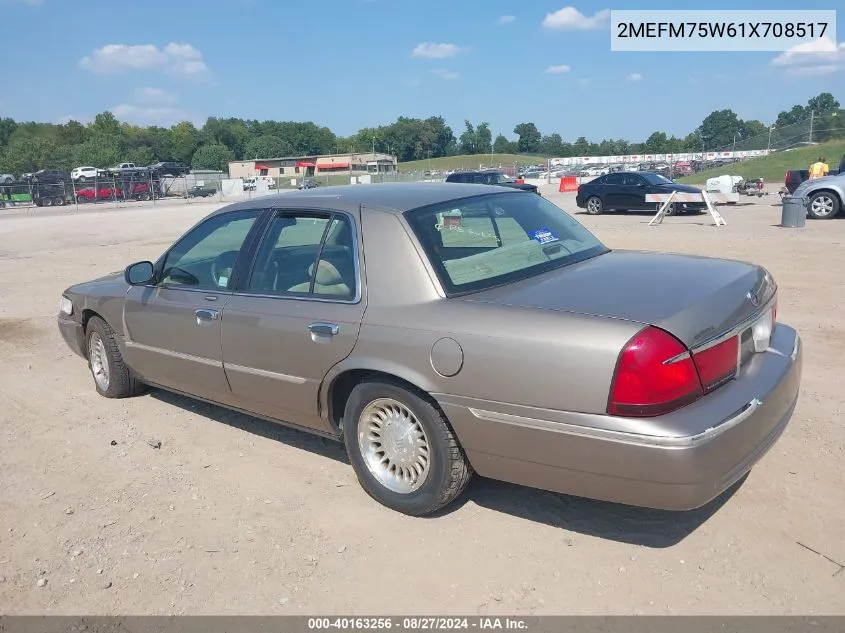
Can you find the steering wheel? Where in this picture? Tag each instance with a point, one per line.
(222, 267)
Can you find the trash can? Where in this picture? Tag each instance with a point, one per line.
(794, 213)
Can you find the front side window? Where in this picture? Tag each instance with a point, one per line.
(486, 241)
(205, 258)
(309, 254)
(655, 179)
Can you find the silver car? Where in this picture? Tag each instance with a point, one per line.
(825, 196)
(443, 329)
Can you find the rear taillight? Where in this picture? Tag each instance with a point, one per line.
(654, 375)
(718, 364)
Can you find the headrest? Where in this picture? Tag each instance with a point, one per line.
(327, 274)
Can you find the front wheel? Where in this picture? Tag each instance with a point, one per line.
(823, 206)
(112, 378)
(402, 448)
(594, 205)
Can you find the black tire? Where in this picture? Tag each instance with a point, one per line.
(46, 202)
(82, 178)
(670, 210)
(449, 473)
(121, 382)
(597, 206)
(828, 213)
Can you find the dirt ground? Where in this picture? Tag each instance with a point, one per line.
(236, 516)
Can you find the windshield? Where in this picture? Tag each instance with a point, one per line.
(502, 178)
(485, 241)
(655, 179)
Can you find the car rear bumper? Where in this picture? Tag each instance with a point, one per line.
(74, 335)
(727, 432)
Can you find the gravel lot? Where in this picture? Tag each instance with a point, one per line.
(234, 516)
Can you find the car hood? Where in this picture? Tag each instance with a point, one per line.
(102, 286)
(694, 298)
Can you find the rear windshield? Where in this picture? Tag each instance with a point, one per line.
(486, 241)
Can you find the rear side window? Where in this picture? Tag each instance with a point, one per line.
(485, 241)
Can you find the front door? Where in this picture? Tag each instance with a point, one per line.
(633, 192)
(172, 326)
(295, 317)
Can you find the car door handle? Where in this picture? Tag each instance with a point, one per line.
(324, 329)
(204, 314)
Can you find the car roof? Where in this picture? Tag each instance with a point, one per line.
(393, 197)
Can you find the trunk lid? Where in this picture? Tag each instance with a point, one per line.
(693, 298)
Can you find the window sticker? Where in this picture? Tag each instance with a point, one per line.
(544, 236)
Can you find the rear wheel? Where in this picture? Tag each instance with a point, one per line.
(594, 205)
(112, 378)
(47, 202)
(402, 448)
(823, 206)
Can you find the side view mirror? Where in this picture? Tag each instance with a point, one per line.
(139, 273)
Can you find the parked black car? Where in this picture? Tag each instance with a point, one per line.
(169, 168)
(627, 190)
(308, 183)
(490, 177)
(199, 191)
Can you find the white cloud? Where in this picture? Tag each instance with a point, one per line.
(634, 77)
(571, 19)
(556, 70)
(143, 115)
(818, 57)
(445, 74)
(436, 51)
(506, 19)
(175, 58)
(154, 95)
(804, 71)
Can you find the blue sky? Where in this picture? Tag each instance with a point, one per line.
(348, 64)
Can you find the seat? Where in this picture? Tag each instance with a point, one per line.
(327, 281)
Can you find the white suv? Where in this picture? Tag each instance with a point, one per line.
(84, 173)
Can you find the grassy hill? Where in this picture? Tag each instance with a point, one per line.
(772, 168)
(472, 161)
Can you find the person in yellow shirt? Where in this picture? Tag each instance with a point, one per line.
(819, 169)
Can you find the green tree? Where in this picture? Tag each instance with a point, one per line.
(467, 142)
(483, 138)
(719, 128)
(99, 151)
(267, 146)
(184, 141)
(503, 146)
(105, 124)
(7, 127)
(822, 103)
(213, 156)
(529, 138)
(24, 155)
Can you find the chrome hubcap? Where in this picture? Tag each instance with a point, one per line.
(823, 205)
(394, 445)
(99, 361)
(594, 205)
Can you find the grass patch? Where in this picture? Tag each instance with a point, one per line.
(472, 161)
(772, 168)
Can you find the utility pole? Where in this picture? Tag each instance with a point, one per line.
(769, 146)
(812, 115)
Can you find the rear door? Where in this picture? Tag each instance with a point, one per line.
(297, 314)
